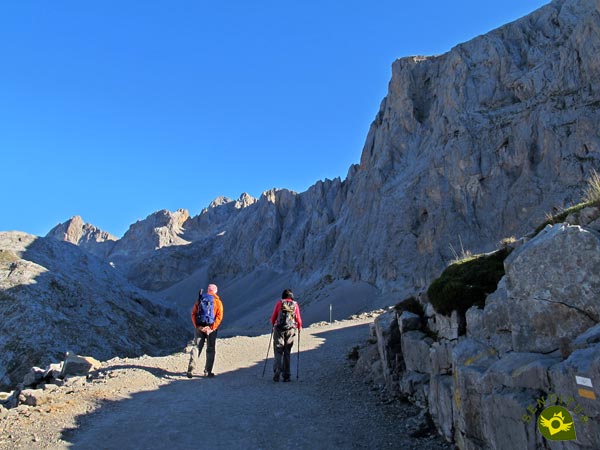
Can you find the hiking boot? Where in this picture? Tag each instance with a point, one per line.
(286, 379)
(276, 377)
(208, 374)
(189, 373)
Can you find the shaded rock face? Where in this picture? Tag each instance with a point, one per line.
(56, 298)
(486, 387)
(479, 142)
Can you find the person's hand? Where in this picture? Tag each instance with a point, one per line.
(208, 330)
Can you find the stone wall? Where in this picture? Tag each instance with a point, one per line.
(484, 385)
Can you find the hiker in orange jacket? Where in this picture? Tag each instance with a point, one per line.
(286, 320)
(207, 315)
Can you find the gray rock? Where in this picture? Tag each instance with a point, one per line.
(440, 354)
(496, 329)
(552, 283)
(587, 338)
(445, 327)
(503, 426)
(415, 385)
(34, 397)
(34, 377)
(584, 363)
(441, 401)
(385, 325)
(520, 370)
(470, 360)
(415, 350)
(75, 365)
(408, 321)
(9, 399)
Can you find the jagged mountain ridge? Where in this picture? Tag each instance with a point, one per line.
(468, 147)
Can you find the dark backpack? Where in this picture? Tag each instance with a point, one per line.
(287, 315)
(206, 310)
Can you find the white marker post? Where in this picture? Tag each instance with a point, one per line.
(330, 313)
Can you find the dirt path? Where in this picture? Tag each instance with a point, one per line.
(148, 403)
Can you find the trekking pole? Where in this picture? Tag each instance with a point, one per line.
(298, 364)
(267, 357)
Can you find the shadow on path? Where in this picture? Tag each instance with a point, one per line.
(240, 409)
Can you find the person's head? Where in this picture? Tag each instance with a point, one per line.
(212, 289)
(287, 294)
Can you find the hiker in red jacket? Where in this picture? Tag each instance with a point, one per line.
(286, 320)
(207, 315)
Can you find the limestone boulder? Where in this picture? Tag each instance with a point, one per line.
(388, 343)
(553, 283)
(416, 347)
(441, 404)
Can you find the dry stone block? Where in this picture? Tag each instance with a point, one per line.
(384, 331)
(519, 370)
(503, 426)
(440, 354)
(415, 351)
(441, 404)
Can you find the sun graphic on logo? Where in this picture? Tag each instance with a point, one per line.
(555, 423)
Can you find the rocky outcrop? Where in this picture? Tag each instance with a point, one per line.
(56, 298)
(85, 235)
(486, 386)
(158, 230)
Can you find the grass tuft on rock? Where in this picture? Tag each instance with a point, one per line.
(591, 197)
(467, 282)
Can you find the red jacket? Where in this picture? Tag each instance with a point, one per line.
(275, 314)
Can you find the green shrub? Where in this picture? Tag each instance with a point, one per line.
(410, 304)
(466, 283)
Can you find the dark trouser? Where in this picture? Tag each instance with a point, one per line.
(210, 350)
(283, 342)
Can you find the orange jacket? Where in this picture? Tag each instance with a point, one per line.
(218, 308)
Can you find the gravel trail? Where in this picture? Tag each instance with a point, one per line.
(148, 403)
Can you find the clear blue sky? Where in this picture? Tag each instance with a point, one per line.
(112, 110)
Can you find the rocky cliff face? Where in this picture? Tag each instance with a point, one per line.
(478, 143)
(85, 235)
(468, 147)
(55, 298)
